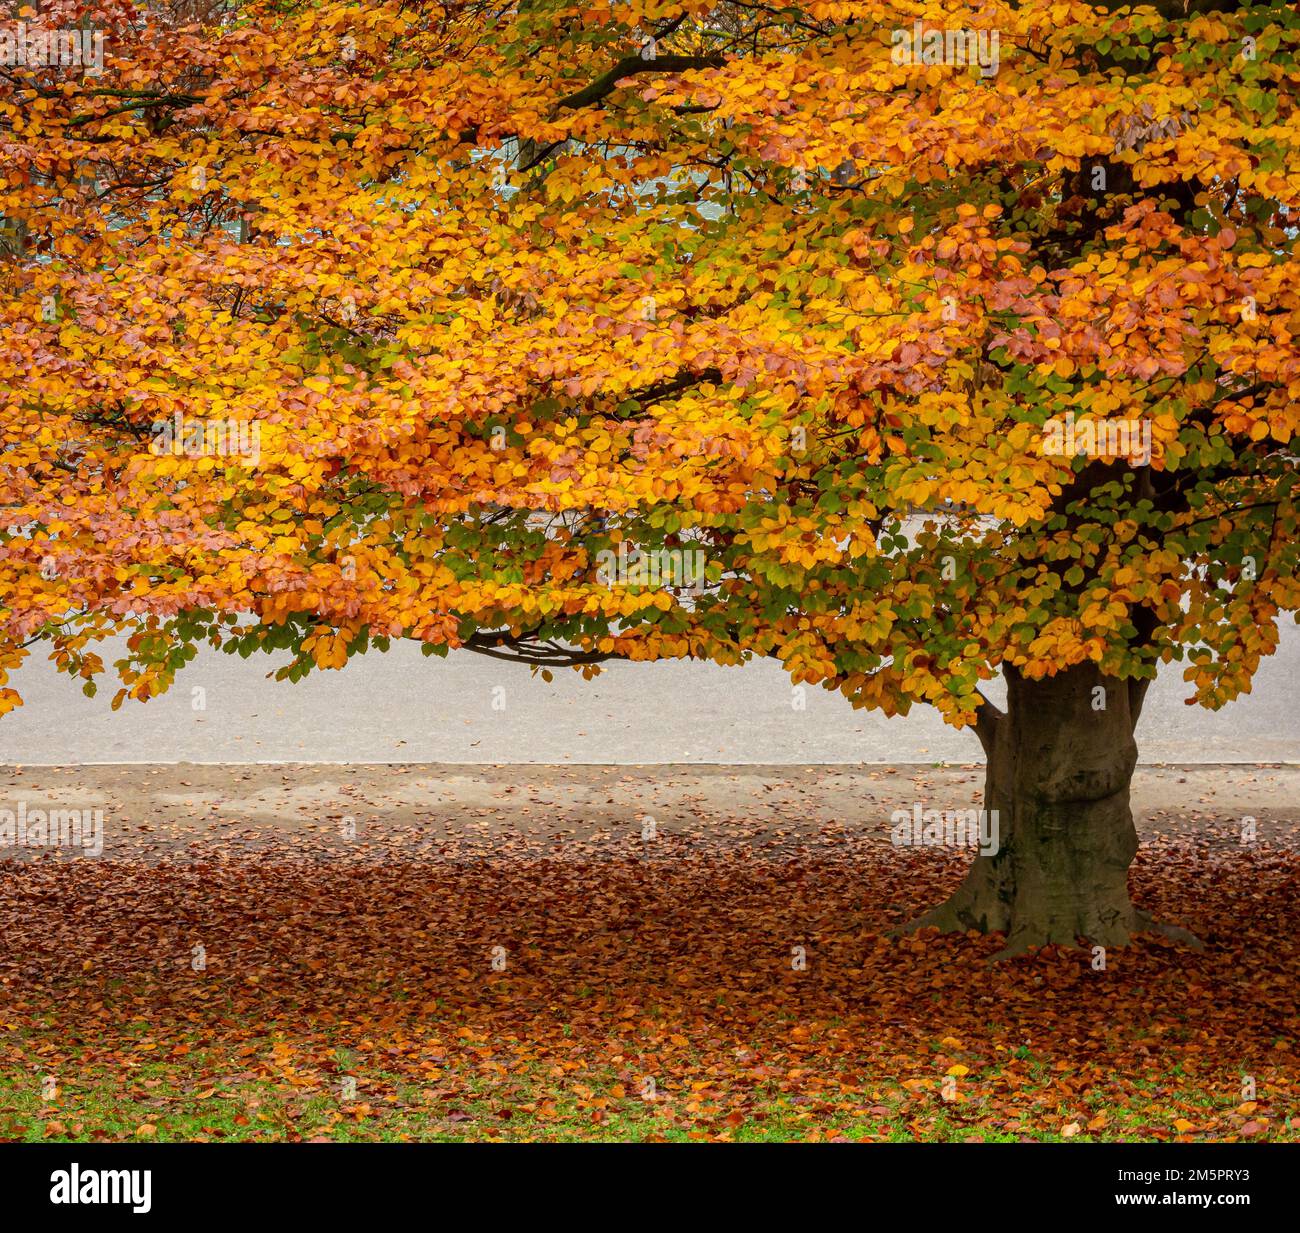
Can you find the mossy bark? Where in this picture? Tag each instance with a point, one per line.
(1060, 762)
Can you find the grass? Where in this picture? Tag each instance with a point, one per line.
(161, 1101)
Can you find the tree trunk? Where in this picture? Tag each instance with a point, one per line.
(1060, 760)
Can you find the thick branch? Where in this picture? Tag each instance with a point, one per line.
(987, 721)
(526, 649)
(631, 66)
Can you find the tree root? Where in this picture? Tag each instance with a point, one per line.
(1118, 928)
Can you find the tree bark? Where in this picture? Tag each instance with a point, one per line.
(1060, 761)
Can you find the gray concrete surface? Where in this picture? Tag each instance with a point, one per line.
(157, 812)
(402, 707)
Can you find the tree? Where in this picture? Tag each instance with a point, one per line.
(902, 342)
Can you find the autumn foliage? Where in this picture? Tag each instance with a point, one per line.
(502, 288)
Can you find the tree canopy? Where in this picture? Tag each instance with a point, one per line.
(327, 324)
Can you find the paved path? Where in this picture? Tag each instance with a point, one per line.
(402, 707)
(574, 812)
